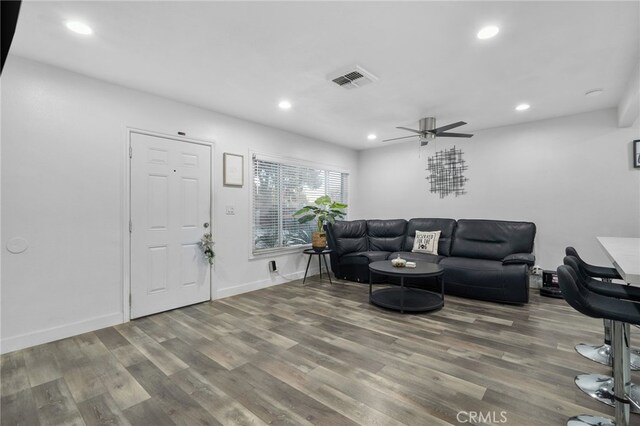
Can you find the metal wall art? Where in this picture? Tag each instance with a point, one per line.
(446, 170)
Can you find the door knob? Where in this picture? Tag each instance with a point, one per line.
(206, 225)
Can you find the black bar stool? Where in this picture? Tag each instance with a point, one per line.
(601, 353)
(622, 313)
(600, 386)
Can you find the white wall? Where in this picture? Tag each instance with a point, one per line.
(63, 169)
(571, 176)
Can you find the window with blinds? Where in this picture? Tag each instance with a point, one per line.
(279, 189)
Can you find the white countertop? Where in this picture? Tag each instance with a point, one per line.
(624, 253)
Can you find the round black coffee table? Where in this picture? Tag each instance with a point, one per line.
(407, 299)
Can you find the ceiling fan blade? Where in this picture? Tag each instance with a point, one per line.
(455, 135)
(395, 139)
(411, 130)
(448, 127)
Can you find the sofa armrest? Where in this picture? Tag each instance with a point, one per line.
(519, 258)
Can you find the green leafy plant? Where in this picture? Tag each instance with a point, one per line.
(323, 211)
(206, 244)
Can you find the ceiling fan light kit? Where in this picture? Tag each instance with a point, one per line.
(425, 125)
(427, 131)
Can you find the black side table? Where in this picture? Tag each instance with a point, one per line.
(321, 255)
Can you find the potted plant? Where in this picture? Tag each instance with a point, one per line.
(323, 211)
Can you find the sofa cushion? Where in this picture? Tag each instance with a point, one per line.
(386, 235)
(416, 257)
(446, 226)
(364, 257)
(492, 239)
(472, 272)
(349, 237)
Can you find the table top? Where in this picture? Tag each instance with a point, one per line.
(314, 251)
(422, 269)
(624, 253)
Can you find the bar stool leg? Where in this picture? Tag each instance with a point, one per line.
(590, 421)
(621, 372)
(602, 353)
(601, 388)
(606, 388)
(621, 382)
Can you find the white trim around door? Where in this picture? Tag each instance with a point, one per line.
(126, 209)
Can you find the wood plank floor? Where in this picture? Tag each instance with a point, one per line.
(318, 354)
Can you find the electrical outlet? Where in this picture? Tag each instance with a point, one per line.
(272, 266)
(230, 210)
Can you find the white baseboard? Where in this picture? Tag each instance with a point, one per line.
(10, 344)
(277, 279)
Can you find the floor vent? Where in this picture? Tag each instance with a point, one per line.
(352, 77)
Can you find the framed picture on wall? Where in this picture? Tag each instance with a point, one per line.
(636, 153)
(233, 169)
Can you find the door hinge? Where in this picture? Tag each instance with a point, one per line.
(130, 227)
(129, 299)
(130, 152)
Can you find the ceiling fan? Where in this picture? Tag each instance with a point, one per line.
(428, 131)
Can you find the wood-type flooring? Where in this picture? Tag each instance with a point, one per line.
(316, 354)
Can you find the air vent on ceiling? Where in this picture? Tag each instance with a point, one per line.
(352, 77)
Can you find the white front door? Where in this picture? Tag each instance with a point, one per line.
(170, 212)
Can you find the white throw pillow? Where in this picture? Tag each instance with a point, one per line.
(426, 242)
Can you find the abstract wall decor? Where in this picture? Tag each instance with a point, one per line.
(446, 170)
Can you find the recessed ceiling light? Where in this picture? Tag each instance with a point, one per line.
(79, 27)
(284, 105)
(523, 107)
(371, 136)
(488, 32)
(594, 92)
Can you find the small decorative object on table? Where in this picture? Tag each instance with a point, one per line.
(206, 244)
(398, 262)
(411, 264)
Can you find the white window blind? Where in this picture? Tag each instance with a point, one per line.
(279, 189)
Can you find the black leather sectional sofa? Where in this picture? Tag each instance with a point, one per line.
(482, 259)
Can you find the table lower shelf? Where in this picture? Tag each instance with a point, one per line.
(415, 300)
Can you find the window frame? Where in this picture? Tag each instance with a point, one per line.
(290, 161)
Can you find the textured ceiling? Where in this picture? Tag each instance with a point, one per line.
(241, 58)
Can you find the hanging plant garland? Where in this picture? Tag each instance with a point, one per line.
(206, 244)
